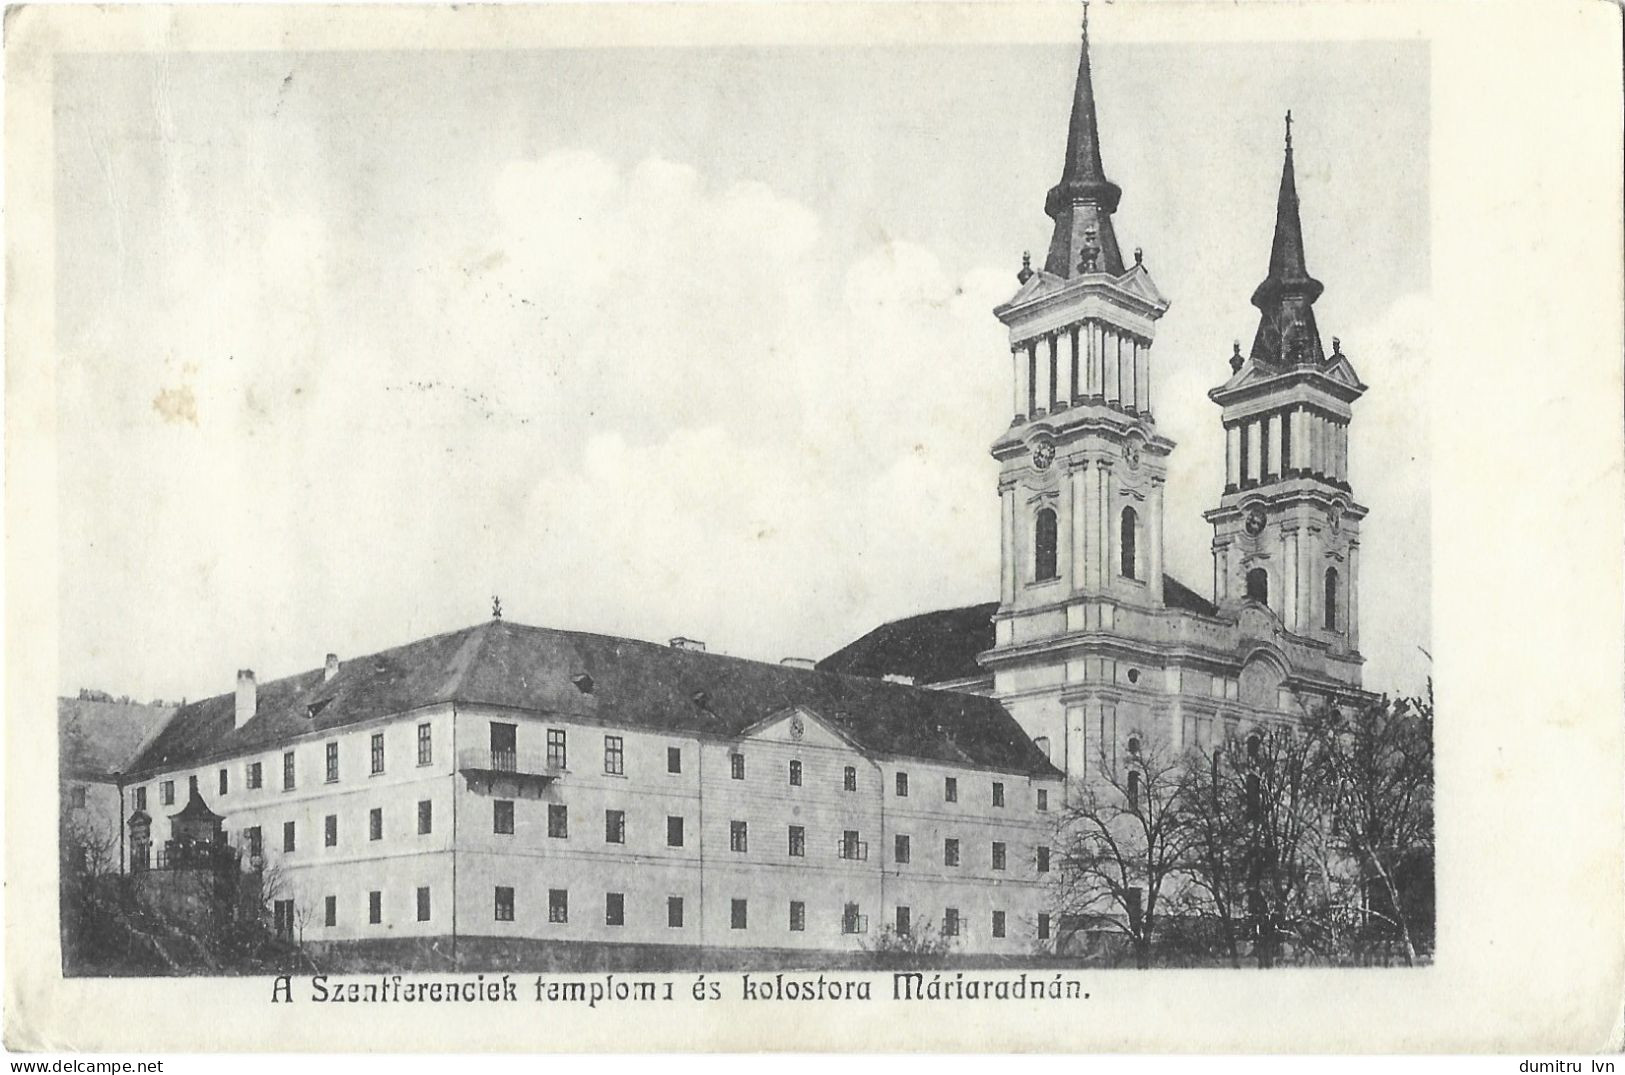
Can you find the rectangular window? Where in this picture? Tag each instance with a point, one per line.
(375, 908)
(224, 781)
(902, 921)
(425, 745)
(256, 777)
(1043, 926)
(737, 915)
(558, 821)
(78, 797)
(377, 752)
(502, 817)
(330, 830)
(614, 756)
(423, 905)
(287, 770)
(556, 756)
(504, 747)
(998, 855)
(853, 848)
(853, 920)
(330, 911)
(950, 922)
(674, 759)
(900, 849)
(849, 779)
(1043, 800)
(614, 826)
(282, 910)
(798, 841)
(950, 852)
(950, 789)
(504, 904)
(795, 774)
(141, 799)
(1043, 860)
(287, 836)
(674, 832)
(736, 766)
(998, 923)
(798, 916)
(614, 909)
(253, 841)
(166, 793)
(737, 836)
(375, 824)
(902, 785)
(425, 817)
(558, 905)
(332, 763)
(998, 793)
(674, 912)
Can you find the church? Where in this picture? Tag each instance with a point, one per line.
(499, 790)
(1090, 645)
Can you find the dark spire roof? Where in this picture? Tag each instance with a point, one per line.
(1287, 332)
(1081, 204)
(196, 810)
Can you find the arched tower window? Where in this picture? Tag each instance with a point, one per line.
(1331, 599)
(1133, 789)
(1258, 585)
(1127, 542)
(1044, 543)
(1253, 744)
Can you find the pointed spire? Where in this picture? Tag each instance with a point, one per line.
(1081, 204)
(1286, 329)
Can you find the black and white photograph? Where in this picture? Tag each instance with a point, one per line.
(946, 513)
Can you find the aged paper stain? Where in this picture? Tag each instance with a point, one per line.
(176, 406)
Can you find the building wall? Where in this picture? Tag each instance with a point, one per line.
(464, 856)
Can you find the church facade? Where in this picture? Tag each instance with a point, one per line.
(1091, 646)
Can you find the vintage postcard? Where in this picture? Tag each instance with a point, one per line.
(814, 527)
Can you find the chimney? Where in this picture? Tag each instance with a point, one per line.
(688, 643)
(798, 662)
(332, 667)
(247, 696)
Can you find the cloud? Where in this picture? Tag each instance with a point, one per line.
(626, 398)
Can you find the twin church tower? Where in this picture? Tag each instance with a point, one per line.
(1093, 644)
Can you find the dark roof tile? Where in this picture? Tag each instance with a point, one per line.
(635, 684)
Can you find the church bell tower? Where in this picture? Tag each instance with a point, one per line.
(1286, 533)
(1081, 466)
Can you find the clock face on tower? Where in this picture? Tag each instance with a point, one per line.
(1255, 521)
(1043, 455)
(1131, 452)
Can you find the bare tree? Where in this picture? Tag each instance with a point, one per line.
(1374, 773)
(1123, 844)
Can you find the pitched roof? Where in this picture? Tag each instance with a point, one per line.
(97, 739)
(634, 684)
(942, 646)
(933, 647)
(1176, 594)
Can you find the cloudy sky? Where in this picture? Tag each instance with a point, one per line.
(660, 341)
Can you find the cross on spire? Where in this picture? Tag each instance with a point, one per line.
(1289, 130)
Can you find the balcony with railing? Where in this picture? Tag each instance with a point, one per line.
(517, 772)
(853, 850)
(855, 923)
